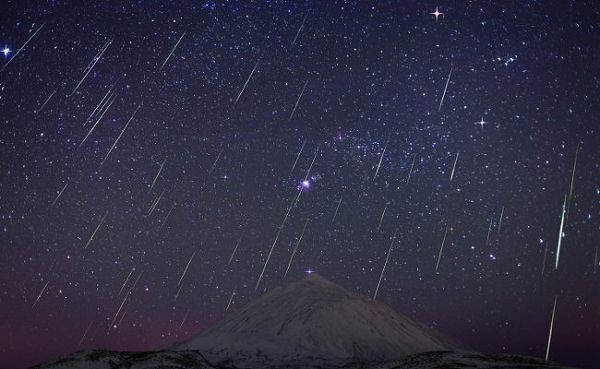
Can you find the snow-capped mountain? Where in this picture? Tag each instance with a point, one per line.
(312, 323)
(315, 321)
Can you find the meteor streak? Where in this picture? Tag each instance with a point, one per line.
(572, 182)
(92, 64)
(45, 102)
(560, 232)
(60, 193)
(385, 264)
(171, 53)
(248, 80)
(118, 311)
(95, 230)
(411, 168)
(454, 167)
(153, 206)
(297, 157)
(186, 269)
(22, 47)
(380, 160)
(500, 222)
(441, 248)
(382, 215)
(275, 241)
(215, 163)
(295, 249)
(487, 240)
(551, 327)
(99, 119)
(121, 134)
(544, 261)
(125, 282)
(230, 298)
(300, 29)
(445, 89)
(157, 174)
(183, 321)
(234, 250)
(167, 217)
(40, 295)
(337, 209)
(297, 101)
(85, 333)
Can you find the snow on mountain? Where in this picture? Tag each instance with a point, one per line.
(314, 321)
(103, 359)
(308, 324)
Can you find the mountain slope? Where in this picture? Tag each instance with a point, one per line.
(315, 321)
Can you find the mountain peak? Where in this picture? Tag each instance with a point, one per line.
(315, 321)
(317, 278)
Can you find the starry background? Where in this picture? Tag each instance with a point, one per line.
(195, 171)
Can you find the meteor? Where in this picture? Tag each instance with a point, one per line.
(125, 282)
(337, 209)
(300, 29)
(153, 206)
(454, 167)
(172, 51)
(297, 101)
(560, 232)
(45, 102)
(167, 217)
(297, 157)
(215, 163)
(385, 264)
(441, 248)
(121, 134)
(500, 222)
(248, 80)
(85, 334)
(183, 321)
(40, 295)
(544, 261)
(411, 168)
(118, 311)
(234, 250)
(380, 160)
(95, 230)
(230, 298)
(99, 119)
(92, 64)
(186, 268)
(551, 327)
(157, 174)
(22, 47)
(382, 215)
(487, 240)
(60, 193)
(295, 249)
(572, 182)
(445, 89)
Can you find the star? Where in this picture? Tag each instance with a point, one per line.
(6, 51)
(481, 122)
(436, 13)
(309, 271)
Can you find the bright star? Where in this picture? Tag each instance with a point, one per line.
(481, 122)
(436, 13)
(6, 51)
(309, 271)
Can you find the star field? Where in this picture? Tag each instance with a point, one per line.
(144, 143)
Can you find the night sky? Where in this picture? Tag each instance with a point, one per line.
(230, 104)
